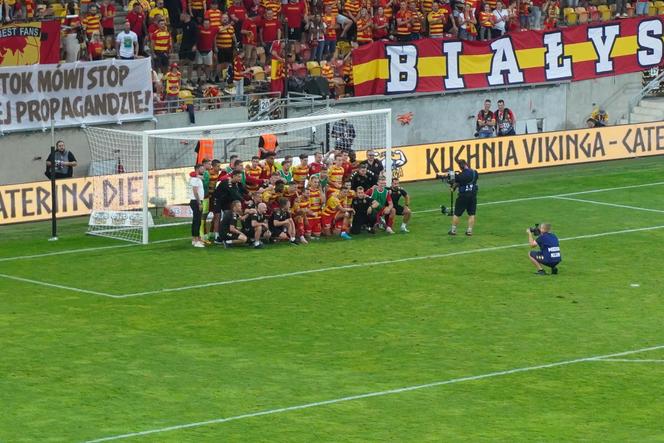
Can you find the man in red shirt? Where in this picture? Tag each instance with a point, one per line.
(294, 12)
(205, 44)
(249, 40)
(238, 14)
(107, 10)
(269, 31)
(136, 19)
(380, 25)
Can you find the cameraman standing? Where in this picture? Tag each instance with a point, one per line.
(465, 182)
(549, 253)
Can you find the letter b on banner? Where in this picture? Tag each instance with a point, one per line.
(402, 62)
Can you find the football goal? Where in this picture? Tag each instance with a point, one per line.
(140, 178)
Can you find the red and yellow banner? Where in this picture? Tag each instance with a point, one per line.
(30, 43)
(574, 53)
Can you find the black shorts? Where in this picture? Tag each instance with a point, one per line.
(276, 232)
(295, 33)
(465, 202)
(161, 59)
(109, 32)
(229, 236)
(537, 255)
(187, 55)
(225, 55)
(399, 209)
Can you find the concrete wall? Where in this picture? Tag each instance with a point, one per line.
(24, 153)
(437, 117)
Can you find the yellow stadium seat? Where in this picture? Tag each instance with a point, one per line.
(604, 12)
(314, 69)
(257, 73)
(571, 18)
(652, 10)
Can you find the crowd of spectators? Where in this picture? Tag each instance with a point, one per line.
(232, 42)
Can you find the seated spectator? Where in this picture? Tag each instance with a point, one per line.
(600, 116)
(109, 48)
(95, 47)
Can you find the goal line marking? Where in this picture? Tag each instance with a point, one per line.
(373, 394)
(373, 263)
(515, 200)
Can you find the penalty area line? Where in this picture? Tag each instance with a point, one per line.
(373, 263)
(373, 394)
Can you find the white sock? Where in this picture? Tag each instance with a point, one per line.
(403, 225)
(256, 243)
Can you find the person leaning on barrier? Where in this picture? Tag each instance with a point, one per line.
(65, 162)
(549, 253)
(465, 182)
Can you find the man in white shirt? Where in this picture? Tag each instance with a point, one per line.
(196, 193)
(126, 43)
(500, 19)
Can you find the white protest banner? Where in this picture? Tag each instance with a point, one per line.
(75, 94)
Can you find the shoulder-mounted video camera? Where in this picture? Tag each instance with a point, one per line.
(447, 176)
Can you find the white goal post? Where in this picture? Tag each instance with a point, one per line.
(140, 178)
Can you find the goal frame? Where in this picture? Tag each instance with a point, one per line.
(386, 112)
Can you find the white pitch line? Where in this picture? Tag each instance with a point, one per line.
(97, 248)
(53, 285)
(373, 263)
(498, 202)
(614, 205)
(626, 360)
(542, 197)
(373, 394)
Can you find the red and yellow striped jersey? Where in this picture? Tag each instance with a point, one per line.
(214, 15)
(332, 205)
(437, 28)
(197, 5)
(225, 37)
(92, 23)
(485, 19)
(352, 7)
(254, 173)
(327, 72)
(300, 174)
(364, 32)
(417, 20)
(161, 40)
(315, 202)
(330, 26)
(335, 176)
(173, 82)
(404, 27)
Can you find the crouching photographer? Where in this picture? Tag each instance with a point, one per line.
(549, 253)
(465, 182)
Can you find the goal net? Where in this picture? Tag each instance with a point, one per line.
(140, 179)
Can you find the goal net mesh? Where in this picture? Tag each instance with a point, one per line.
(118, 163)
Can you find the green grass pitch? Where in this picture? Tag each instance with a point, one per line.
(324, 355)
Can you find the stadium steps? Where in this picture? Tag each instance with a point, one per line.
(648, 110)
